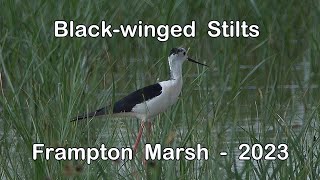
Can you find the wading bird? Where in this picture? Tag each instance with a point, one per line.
(152, 100)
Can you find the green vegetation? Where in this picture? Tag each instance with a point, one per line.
(257, 90)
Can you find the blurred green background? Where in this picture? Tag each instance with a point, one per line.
(257, 90)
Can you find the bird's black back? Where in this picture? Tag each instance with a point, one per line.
(127, 103)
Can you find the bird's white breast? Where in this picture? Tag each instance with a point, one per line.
(169, 96)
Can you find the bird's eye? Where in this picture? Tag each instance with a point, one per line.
(184, 53)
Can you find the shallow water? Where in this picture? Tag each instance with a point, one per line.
(251, 118)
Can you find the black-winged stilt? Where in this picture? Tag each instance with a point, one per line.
(151, 100)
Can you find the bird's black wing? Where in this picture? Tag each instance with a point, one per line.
(127, 103)
(99, 112)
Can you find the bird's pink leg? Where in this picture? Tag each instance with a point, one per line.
(135, 146)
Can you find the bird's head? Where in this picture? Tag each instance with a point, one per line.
(179, 55)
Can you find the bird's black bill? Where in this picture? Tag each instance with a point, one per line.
(189, 59)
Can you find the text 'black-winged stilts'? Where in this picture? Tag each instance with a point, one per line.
(152, 100)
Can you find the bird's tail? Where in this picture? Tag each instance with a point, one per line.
(96, 113)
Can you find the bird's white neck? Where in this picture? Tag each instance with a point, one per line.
(175, 69)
